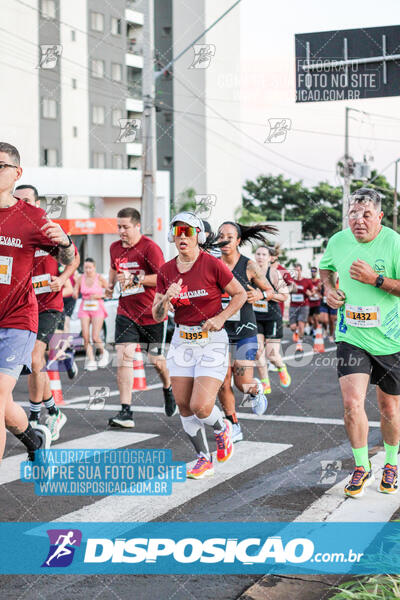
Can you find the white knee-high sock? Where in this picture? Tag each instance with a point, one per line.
(215, 419)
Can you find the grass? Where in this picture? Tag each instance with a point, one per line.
(370, 587)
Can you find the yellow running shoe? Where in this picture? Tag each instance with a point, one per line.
(284, 377)
(360, 479)
(388, 483)
(266, 386)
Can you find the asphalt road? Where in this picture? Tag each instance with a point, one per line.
(278, 488)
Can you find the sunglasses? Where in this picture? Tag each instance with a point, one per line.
(186, 229)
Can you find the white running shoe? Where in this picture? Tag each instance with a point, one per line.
(104, 360)
(259, 401)
(237, 434)
(55, 423)
(91, 365)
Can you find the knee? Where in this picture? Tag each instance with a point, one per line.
(38, 363)
(352, 407)
(389, 410)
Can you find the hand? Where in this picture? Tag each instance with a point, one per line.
(108, 292)
(121, 278)
(56, 283)
(363, 272)
(214, 324)
(55, 233)
(335, 298)
(174, 290)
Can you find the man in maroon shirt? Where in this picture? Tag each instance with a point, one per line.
(48, 284)
(134, 262)
(23, 229)
(302, 289)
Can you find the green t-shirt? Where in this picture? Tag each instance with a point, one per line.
(369, 318)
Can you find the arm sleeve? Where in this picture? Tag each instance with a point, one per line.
(327, 261)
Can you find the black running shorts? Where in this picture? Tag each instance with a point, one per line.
(384, 370)
(150, 337)
(49, 322)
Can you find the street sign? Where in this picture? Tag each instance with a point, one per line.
(350, 64)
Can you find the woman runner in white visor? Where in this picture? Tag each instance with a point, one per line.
(193, 283)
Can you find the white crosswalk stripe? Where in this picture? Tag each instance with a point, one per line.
(10, 467)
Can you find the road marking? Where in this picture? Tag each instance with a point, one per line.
(111, 440)
(144, 508)
(372, 507)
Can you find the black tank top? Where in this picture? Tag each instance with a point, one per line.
(274, 310)
(243, 323)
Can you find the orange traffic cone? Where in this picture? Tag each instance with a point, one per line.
(55, 386)
(139, 375)
(319, 345)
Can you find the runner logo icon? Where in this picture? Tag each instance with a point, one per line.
(62, 547)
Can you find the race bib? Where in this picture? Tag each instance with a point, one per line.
(131, 289)
(6, 269)
(314, 298)
(193, 334)
(363, 316)
(41, 283)
(90, 305)
(297, 297)
(236, 315)
(261, 306)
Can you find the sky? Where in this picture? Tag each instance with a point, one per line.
(268, 92)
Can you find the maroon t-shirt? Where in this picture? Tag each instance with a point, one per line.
(20, 236)
(145, 257)
(313, 303)
(202, 287)
(300, 297)
(44, 266)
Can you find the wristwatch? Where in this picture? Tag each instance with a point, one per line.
(379, 281)
(264, 293)
(70, 243)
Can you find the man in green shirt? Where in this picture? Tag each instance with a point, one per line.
(366, 257)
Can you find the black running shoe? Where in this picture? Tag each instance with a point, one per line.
(169, 402)
(44, 435)
(34, 418)
(122, 419)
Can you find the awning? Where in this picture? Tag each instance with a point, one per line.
(84, 226)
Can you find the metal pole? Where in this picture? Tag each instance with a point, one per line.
(346, 174)
(395, 209)
(149, 168)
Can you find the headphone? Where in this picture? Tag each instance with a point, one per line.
(201, 236)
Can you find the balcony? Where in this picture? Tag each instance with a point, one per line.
(134, 60)
(134, 104)
(134, 47)
(132, 15)
(134, 149)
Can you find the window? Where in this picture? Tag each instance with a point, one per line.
(73, 35)
(168, 117)
(166, 31)
(116, 26)
(98, 115)
(50, 157)
(96, 21)
(167, 161)
(97, 68)
(74, 84)
(49, 108)
(116, 72)
(116, 116)
(99, 160)
(48, 9)
(118, 161)
(134, 162)
(74, 132)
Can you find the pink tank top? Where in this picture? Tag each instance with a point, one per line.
(94, 289)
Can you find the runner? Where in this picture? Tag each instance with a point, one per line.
(92, 312)
(327, 316)
(135, 261)
(241, 327)
(366, 258)
(47, 284)
(314, 301)
(193, 283)
(269, 321)
(24, 228)
(301, 290)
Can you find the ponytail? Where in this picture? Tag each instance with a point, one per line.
(250, 233)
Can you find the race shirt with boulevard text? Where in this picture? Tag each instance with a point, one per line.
(202, 288)
(146, 257)
(20, 236)
(315, 299)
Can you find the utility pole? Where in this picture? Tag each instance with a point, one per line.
(346, 171)
(395, 208)
(149, 162)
